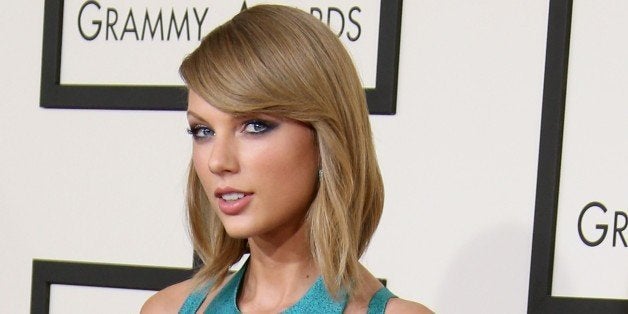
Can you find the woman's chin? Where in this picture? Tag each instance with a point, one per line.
(238, 233)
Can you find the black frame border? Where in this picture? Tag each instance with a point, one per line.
(381, 100)
(540, 299)
(48, 272)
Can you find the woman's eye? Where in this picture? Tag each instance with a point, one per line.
(257, 127)
(200, 132)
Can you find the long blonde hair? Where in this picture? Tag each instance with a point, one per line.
(281, 61)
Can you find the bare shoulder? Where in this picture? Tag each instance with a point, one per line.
(397, 305)
(168, 300)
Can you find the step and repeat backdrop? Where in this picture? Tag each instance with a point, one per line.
(580, 253)
(114, 54)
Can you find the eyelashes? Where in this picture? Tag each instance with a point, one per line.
(252, 127)
(258, 126)
(200, 131)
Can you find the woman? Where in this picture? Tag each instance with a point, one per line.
(283, 168)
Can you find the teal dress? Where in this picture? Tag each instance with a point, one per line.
(315, 300)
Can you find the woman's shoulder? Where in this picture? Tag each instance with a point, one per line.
(170, 299)
(397, 305)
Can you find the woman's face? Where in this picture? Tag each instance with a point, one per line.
(259, 172)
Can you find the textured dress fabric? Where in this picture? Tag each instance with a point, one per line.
(315, 300)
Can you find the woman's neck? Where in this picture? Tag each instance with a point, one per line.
(280, 271)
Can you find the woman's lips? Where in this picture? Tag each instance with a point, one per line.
(234, 207)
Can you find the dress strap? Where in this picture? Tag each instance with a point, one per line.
(226, 299)
(318, 300)
(194, 300)
(379, 300)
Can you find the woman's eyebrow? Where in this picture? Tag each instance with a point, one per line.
(258, 115)
(196, 116)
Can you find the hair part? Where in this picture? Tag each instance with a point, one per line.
(282, 61)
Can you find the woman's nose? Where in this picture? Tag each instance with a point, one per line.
(223, 157)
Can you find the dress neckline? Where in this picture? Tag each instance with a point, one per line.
(316, 298)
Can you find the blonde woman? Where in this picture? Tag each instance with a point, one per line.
(283, 168)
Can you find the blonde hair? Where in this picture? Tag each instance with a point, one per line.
(281, 61)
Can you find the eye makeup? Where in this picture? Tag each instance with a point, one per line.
(254, 125)
(258, 126)
(199, 131)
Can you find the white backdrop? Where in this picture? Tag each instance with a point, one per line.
(107, 186)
